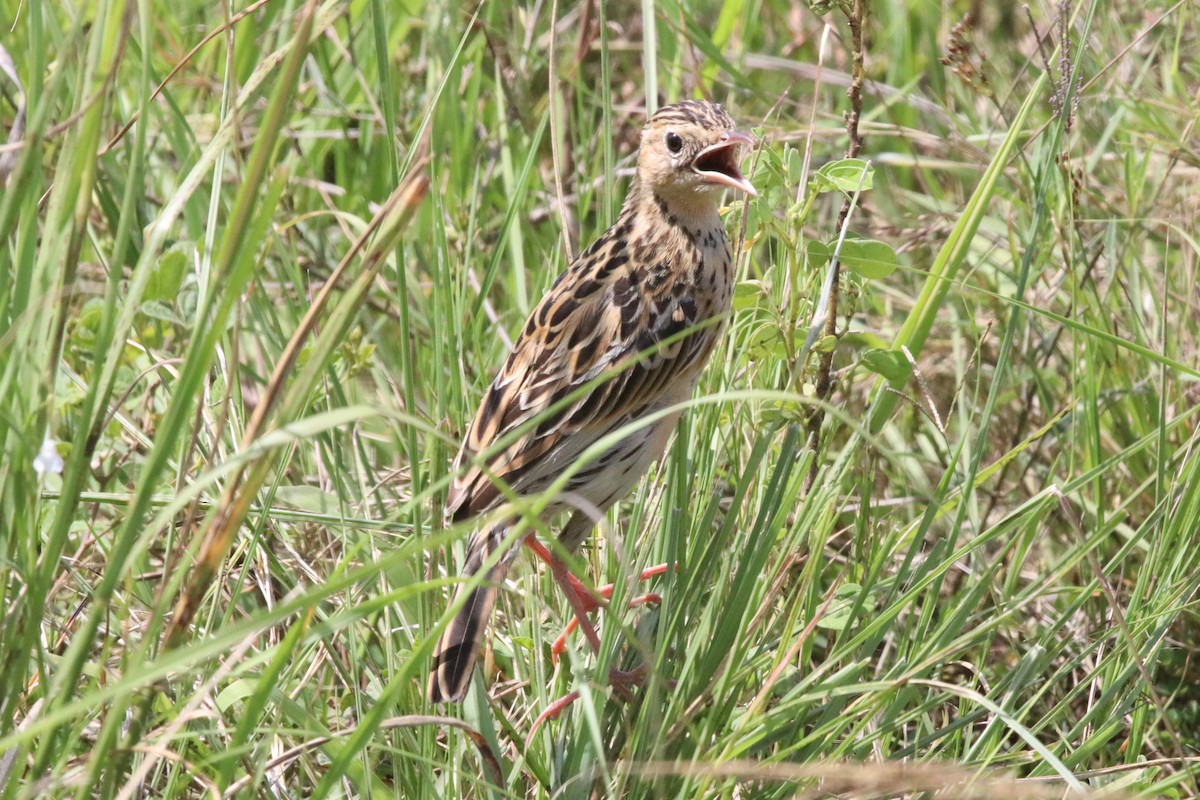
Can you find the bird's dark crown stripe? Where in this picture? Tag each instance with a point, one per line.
(693, 112)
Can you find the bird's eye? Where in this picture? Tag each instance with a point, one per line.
(674, 143)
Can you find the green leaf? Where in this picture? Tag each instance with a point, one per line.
(845, 175)
(889, 364)
(91, 315)
(868, 258)
(793, 161)
(837, 618)
(753, 220)
(782, 411)
(764, 342)
(816, 255)
(166, 278)
(234, 693)
(748, 294)
(825, 344)
(308, 498)
(160, 311)
(864, 339)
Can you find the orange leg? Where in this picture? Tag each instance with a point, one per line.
(620, 680)
(560, 644)
(552, 711)
(581, 599)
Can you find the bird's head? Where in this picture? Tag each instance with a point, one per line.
(691, 148)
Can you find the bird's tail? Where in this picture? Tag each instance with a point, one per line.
(457, 650)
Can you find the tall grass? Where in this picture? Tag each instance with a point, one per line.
(232, 308)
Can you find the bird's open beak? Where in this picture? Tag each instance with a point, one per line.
(717, 163)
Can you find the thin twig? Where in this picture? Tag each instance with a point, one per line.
(824, 380)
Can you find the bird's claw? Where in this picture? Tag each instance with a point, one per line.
(603, 593)
(620, 680)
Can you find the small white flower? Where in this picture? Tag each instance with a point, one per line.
(48, 460)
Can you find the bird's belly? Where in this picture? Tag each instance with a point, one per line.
(615, 472)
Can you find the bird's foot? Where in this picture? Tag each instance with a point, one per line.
(605, 592)
(552, 711)
(582, 600)
(620, 680)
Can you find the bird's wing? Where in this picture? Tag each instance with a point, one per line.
(596, 320)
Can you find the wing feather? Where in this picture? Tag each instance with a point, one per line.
(595, 320)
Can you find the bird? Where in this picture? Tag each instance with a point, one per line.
(622, 334)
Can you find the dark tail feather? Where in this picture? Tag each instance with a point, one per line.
(457, 650)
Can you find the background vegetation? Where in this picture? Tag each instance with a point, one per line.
(233, 584)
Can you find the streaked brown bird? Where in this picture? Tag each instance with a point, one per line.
(644, 306)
